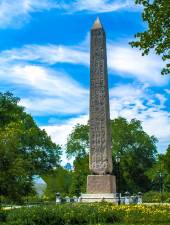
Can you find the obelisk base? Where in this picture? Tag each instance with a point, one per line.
(100, 188)
(101, 184)
(105, 197)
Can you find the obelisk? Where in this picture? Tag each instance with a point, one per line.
(100, 159)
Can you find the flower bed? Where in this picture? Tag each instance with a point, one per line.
(79, 213)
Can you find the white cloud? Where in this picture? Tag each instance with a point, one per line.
(167, 91)
(52, 92)
(136, 101)
(129, 101)
(122, 60)
(100, 5)
(128, 62)
(60, 132)
(15, 13)
(49, 54)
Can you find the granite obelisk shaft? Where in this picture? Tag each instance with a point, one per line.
(100, 133)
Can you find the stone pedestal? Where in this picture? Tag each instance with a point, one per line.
(105, 197)
(97, 184)
(100, 188)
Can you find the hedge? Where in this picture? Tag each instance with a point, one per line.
(79, 213)
(154, 196)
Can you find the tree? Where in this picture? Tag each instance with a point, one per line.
(78, 141)
(157, 36)
(78, 146)
(58, 180)
(15, 176)
(159, 173)
(25, 149)
(166, 159)
(79, 175)
(136, 148)
(166, 166)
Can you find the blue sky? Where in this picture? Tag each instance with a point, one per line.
(44, 60)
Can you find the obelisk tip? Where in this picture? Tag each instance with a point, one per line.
(97, 24)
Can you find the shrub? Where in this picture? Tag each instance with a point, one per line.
(60, 215)
(3, 216)
(154, 196)
(81, 213)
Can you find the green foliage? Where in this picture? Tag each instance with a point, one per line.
(136, 148)
(78, 141)
(156, 14)
(137, 151)
(129, 137)
(154, 196)
(96, 213)
(58, 180)
(15, 176)
(60, 214)
(33, 199)
(166, 167)
(25, 150)
(166, 160)
(9, 108)
(79, 175)
(159, 175)
(78, 146)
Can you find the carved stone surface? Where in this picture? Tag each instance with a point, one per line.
(101, 184)
(100, 135)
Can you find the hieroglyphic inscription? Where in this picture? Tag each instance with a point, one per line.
(100, 138)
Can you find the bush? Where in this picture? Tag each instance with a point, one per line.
(3, 216)
(60, 215)
(80, 213)
(5, 201)
(31, 199)
(153, 196)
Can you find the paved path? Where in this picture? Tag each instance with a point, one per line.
(19, 206)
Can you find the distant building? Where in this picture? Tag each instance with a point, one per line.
(68, 167)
